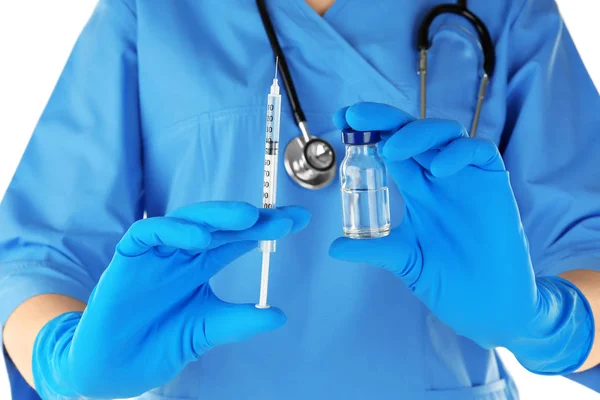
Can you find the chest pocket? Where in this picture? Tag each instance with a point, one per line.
(219, 156)
(210, 156)
(455, 68)
(497, 390)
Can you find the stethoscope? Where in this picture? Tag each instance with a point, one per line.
(309, 160)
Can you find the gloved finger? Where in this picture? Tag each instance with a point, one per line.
(408, 175)
(230, 323)
(219, 215)
(385, 136)
(420, 136)
(165, 234)
(162, 231)
(212, 261)
(376, 117)
(272, 224)
(299, 215)
(467, 151)
(339, 119)
(247, 215)
(425, 159)
(398, 252)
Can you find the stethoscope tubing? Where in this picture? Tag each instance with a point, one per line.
(286, 77)
(423, 45)
(489, 53)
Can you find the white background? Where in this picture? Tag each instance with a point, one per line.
(36, 37)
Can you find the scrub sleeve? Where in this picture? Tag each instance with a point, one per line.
(78, 186)
(551, 144)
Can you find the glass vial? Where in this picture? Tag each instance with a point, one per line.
(365, 195)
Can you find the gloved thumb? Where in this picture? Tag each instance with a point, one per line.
(398, 252)
(230, 323)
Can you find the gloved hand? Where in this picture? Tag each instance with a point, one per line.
(153, 310)
(461, 247)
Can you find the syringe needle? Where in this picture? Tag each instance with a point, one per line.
(276, 65)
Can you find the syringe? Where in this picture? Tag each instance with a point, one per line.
(270, 179)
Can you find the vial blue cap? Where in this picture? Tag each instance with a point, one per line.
(352, 137)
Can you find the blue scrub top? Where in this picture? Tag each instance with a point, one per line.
(162, 104)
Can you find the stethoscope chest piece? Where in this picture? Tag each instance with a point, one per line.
(310, 163)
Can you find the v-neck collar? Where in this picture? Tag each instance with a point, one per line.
(331, 11)
(319, 30)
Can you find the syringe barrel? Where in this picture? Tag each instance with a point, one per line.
(270, 187)
(269, 197)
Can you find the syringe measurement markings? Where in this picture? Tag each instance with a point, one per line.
(269, 172)
(270, 158)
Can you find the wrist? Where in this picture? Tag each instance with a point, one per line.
(50, 356)
(560, 337)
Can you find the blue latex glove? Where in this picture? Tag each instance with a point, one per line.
(461, 246)
(153, 310)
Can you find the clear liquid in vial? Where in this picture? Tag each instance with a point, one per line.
(366, 213)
